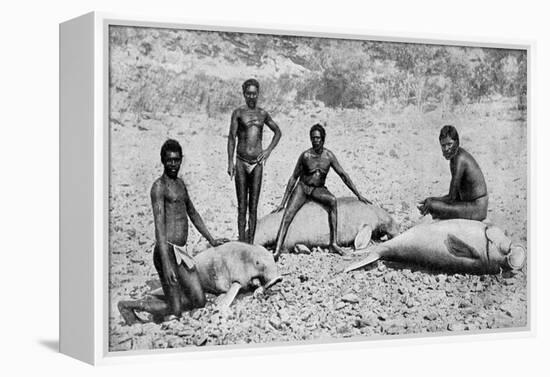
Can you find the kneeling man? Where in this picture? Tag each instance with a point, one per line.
(467, 197)
(308, 183)
(171, 208)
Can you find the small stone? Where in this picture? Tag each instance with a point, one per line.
(200, 340)
(394, 328)
(258, 293)
(340, 305)
(301, 249)
(456, 326)
(508, 312)
(431, 316)
(478, 287)
(274, 321)
(185, 333)
(351, 298)
(285, 317)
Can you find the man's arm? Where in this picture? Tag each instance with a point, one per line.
(277, 131)
(231, 143)
(425, 206)
(346, 178)
(456, 178)
(159, 216)
(291, 184)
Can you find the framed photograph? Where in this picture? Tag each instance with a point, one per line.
(228, 188)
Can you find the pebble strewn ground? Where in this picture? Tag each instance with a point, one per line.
(393, 159)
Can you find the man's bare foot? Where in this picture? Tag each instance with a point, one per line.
(334, 248)
(127, 313)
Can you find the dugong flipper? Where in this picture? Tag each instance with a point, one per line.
(456, 245)
(363, 238)
(357, 222)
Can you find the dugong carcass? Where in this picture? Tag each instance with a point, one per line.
(236, 262)
(310, 225)
(224, 269)
(456, 245)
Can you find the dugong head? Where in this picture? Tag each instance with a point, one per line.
(508, 255)
(264, 268)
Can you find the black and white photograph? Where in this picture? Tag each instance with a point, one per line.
(271, 189)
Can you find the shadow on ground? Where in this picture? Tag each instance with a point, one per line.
(52, 345)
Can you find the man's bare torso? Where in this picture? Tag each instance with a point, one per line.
(175, 197)
(250, 132)
(472, 183)
(315, 167)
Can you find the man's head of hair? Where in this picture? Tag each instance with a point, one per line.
(318, 127)
(251, 82)
(449, 131)
(170, 145)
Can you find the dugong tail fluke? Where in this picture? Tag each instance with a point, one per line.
(371, 257)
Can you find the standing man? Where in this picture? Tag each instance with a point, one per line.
(247, 125)
(171, 207)
(467, 197)
(308, 183)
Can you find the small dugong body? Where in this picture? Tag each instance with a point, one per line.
(236, 262)
(455, 245)
(310, 225)
(224, 269)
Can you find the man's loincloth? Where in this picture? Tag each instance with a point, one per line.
(181, 255)
(308, 189)
(249, 165)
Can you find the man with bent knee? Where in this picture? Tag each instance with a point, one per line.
(247, 125)
(308, 183)
(171, 208)
(467, 197)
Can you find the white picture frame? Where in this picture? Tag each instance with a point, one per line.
(84, 190)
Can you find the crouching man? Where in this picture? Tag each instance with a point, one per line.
(171, 208)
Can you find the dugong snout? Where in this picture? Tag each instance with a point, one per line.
(516, 257)
(265, 267)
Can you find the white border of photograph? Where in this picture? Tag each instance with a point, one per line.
(84, 172)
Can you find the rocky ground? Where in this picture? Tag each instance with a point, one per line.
(393, 158)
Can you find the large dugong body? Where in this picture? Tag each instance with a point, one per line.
(455, 245)
(310, 225)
